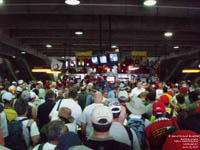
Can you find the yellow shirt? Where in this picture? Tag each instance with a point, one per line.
(11, 114)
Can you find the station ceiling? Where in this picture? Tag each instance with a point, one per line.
(30, 25)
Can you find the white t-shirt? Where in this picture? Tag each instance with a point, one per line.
(70, 103)
(86, 117)
(33, 129)
(136, 91)
(120, 134)
(72, 127)
(3, 124)
(47, 146)
(159, 92)
(42, 93)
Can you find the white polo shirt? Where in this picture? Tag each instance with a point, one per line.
(3, 124)
(33, 129)
(86, 117)
(70, 103)
(47, 146)
(136, 91)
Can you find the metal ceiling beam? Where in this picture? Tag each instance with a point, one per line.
(19, 47)
(177, 55)
(139, 23)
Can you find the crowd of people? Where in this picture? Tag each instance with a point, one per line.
(90, 115)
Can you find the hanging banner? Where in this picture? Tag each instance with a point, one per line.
(83, 54)
(139, 57)
(139, 53)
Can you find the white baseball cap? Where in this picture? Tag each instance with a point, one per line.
(90, 84)
(115, 107)
(19, 89)
(20, 82)
(102, 115)
(12, 87)
(7, 96)
(123, 95)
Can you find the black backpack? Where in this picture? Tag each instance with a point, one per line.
(15, 139)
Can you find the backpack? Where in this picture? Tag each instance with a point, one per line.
(138, 125)
(15, 140)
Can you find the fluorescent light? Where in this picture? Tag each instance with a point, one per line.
(49, 46)
(176, 47)
(191, 71)
(53, 72)
(168, 34)
(48, 71)
(41, 70)
(72, 2)
(23, 52)
(114, 46)
(78, 33)
(1, 1)
(199, 66)
(14, 57)
(150, 2)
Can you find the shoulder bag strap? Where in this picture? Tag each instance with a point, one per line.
(59, 105)
(130, 135)
(41, 146)
(28, 126)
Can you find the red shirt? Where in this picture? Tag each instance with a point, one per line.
(182, 140)
(156, 131)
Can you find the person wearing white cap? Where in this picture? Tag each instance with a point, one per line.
(101, 121)
(12, 89)
(42, 91)
(86, 127)
(120, 132)
(7, 98)
(20, 82)
(3, 122)
(123, 97)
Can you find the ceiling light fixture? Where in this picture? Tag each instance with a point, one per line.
(191, 71)
(79, 33)
(176, 47)
(113, 46)
(150, 3)
(49, 46)
(14, 57)
(72, 2)
(168, 34)
(1, 1)
(23, 52)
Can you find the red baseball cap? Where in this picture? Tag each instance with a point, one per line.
(164, 99)
(158, 108)
(183, 90)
